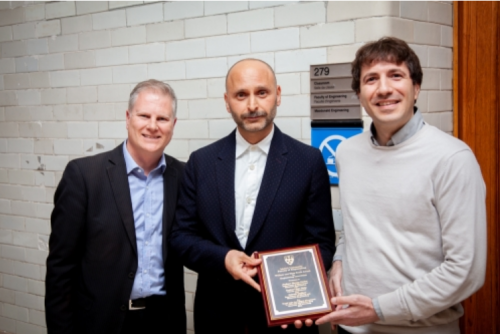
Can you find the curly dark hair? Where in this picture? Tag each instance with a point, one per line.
(388, 49)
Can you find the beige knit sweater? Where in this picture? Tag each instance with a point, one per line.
(414, 229)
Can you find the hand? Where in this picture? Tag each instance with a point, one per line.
(336, 279)
(242, 267)
(298, 324)
(359, 312)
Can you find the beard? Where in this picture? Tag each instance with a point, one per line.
(266, 120)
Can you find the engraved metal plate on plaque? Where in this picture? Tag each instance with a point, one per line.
(330, 85)
(335, 99)
(340, 112)
(330, 71)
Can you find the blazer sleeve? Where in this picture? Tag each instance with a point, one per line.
(65, 249)
(318, 219)
(189, 238)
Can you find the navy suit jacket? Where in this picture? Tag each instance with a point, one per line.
(293, 208)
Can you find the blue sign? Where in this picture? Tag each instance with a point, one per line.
(327, 140)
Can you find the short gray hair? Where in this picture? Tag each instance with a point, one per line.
(155, 85)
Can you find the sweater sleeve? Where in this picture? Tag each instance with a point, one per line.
(459, 200)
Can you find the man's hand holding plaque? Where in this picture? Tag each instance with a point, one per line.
(294, 285)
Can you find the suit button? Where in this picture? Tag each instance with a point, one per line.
(131, 275)
(123, 308)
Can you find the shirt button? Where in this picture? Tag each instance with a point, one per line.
(123, 308)
(246, 233)
(131, 275)
(252, 167)
(147, 243)
(249, 200)
(145, 271)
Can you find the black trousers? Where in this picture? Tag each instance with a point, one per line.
(151, 319)
(342, 331)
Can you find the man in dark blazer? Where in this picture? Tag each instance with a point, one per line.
(110, 268)
(254, 190)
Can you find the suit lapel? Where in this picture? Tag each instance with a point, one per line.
(117, 173)
(225, 169)
(169, 201)
(275, 166)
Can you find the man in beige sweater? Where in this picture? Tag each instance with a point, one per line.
(413, 204)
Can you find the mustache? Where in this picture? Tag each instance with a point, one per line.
(254, 114)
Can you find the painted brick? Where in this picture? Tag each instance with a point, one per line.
(415, 10)
(11, 192)
(48, 28)
(30, 129)
(228, 45)
(205, 26)
(266, 57)
(306, 128)
(327, 34)
(15, 312)
(16, 81)
(7, 324)
(8, 130)
(299, 14)
(68, 146)
(14, 253)
(375, 28)
(263, 4)
(182, 111)
(83, 59)
(440, 101)
(182, 9)
(167, 71)
(188, 49)
(446, 121)
(446, 80)
(220, 128)
(8, 99)
(28, 97)
(116, 129)
(94, 40)
(254, 20)
(81, 95)
(432, 119)
(206, 68)
(342, 53)
(65, 78)
(12, 222)
(53, 96)
(121, 4)
(33, 194)
(7, 235)
(22, 238)
(27, 300)
(72, 25)
(92, 147)
(440, 12)
(46, 162)
(145, 14)
(13, 49)
(295, 105)
(177, 148)
(221, 7)
(34, 12)
(109, 20)
(113, 93)
(88, 7)
(342, 10)
(60, 9)
(128, 36)
(25, 177)
(11, 16)
(169, 31)
(82, 130)
(41, 113)
(5, 34)
(35, 225)
(216, 87)
(36, 288)
(37, 317)
(112, 56)
(422, 53)
(98, 112)
(72, 112)
(20, 145)
(23, 31)
(440, 57)
(431, 79)
(26, 64)
(189, 129)
(96, 76)
(289, 82)
(149, 53)
(36, 46)
(44, 146)
(208, 108)
(1, 83)
(39, 80)
(63, 43)
(7, 65)
(273, 40)
(427, 33)
(290, 126)
(130, 74)
(299, 60)
(42, 179)
(447, 36)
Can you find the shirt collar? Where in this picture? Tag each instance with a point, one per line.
(131, 165)
(406, 132)
(242, 145)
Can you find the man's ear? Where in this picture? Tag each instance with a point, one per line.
(127, 118)
(227, 103)
(278, 95)
(416, 89)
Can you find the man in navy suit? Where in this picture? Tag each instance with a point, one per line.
(256, 189)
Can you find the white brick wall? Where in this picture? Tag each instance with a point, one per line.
(67, 68)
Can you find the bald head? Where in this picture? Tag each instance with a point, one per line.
(251, 63)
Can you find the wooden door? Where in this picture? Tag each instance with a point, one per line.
(477, 122)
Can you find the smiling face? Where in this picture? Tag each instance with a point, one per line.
(388, 94)
(252, 98)
(150, 125)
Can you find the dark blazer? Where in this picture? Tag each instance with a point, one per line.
(93, 253)
(293, 208)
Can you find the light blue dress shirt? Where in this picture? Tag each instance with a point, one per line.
(146, 193)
